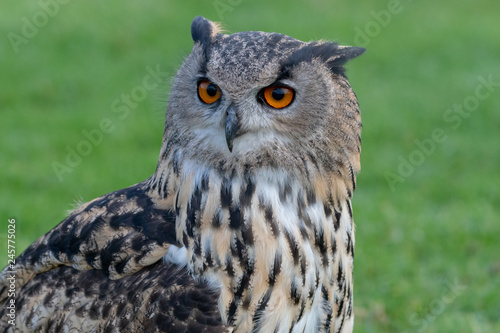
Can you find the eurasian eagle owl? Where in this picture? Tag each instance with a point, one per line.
(246, 224)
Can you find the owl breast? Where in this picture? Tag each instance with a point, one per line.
(279, 253)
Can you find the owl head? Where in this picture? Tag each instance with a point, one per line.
(254, 100)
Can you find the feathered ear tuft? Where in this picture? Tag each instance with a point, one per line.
(333, 55)
(202, 30)
(342, 55)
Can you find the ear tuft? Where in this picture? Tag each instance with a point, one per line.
(343, 54)
(202, 30)
(331, 54)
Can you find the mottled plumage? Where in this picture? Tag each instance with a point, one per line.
(249, 206)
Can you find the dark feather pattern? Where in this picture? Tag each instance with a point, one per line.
(118, 233)
(159, 298)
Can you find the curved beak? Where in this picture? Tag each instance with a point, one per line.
(232, 126)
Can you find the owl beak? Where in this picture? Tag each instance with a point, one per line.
(232, 126)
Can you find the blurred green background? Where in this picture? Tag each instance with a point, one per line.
(426, 208)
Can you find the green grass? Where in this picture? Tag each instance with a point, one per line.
(439, 225)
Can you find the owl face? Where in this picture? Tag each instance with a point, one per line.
(250, 95)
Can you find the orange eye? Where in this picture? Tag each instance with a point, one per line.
(208, 92)
(278, 97)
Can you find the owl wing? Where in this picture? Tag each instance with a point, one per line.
(100, 270)
(162, 297)
(118, 234)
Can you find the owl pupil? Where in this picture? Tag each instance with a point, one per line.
(211, 90)
(278, 94)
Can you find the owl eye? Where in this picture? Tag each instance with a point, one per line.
(278, 97)
(208, 92)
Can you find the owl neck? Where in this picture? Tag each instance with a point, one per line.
(278, 247)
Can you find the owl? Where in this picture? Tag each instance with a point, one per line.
(245, 226)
